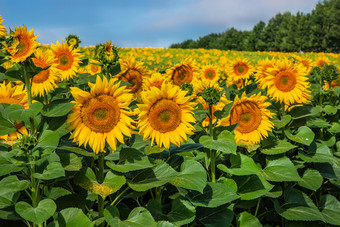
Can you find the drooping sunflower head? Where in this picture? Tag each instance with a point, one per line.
(45, 81)
(101, 115)
(94, 67)
(165, 116)
(252, 116)
(66, 58)
(287, 82)
(184, 72)
(240, 69)
(2, 28)
(210, 72)
(133, 72)
(14, 94)
(73, 41)
(21, 44)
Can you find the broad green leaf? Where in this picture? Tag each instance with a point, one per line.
(77, 150)
(304, 135)
(252, 187)
(9, 164)
(317, 123)
(12, 184)
(47, 141)
(329, 170)
(304, 111)
(283, 122)
(316, 153)
(218, 216)
(337, 91)
(165, 224)
(214, 195)
(185, 148)
(87, 180)
(130, 159)
(39, 214)
(139, 217)
(57, 108)
(245, 219)
(6, 127)
(298, 207)
(335, 128)
(182, 211)
(330, 110)
(57, 192)
(49, 168)
(70, 161)
(8, 199)
(311, 179)
(330, 207)
(71, 217)
(192, 176)
(240, 165)
(275, 192)
(279, 147)
(225, 142)
(158, 175)
(280, 169)
(153, 150)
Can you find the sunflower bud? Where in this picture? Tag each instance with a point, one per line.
(27, 142)
(73, 41)
(211, 95)
(329, 73)
(107, 53)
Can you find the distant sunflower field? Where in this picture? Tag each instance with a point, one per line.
(109, 136)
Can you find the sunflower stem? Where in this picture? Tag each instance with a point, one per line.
(212, 152)
(210, 121)
(283, 112)
(28, 85)
(100, 179)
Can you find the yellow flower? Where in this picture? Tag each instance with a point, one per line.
(240, 69)
(2, 28)
(210, 72)
(67, 59)
(262, 67)
(12, 94)
(23, 44)
(165, 115)
(45, 81)
(101, 115)
(253, 117)
(287, 82)
(93, 68)
(184, 72)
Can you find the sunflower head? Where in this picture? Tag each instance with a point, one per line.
(3, 31)
(165, 115)
(184, 72)
(107, 53)
(210, 72)
(94, 67)
(73, 41)
(240, 69)
(21, 44)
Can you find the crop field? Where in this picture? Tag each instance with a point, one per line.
(109, 136)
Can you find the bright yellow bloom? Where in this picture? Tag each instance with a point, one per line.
(184, 72)
(165, 115)
(240, 69)
(101, 115)
(93, 68)
(2, 28)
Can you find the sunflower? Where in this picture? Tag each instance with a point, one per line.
(262, 67)
(240, 69)
(165, 115)
(253, 117)
(320, 62)
(101, 115)
(184, 72)
(44, 82)
(307, 63)
(67, 59)
(287, 82)
(21, 45)
(156, 79)
(2, 28)
(12, 94)
(133, 72)
(93, 67)
(210, 72)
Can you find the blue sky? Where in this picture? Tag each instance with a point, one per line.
(141, 23)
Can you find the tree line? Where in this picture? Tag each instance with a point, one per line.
(318, 31)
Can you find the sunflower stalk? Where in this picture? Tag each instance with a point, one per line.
(100, 179)
(28, 85)
(212, 152)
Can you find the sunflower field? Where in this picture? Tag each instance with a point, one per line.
(109, 136)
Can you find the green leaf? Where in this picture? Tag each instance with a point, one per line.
(280, 169)
(214, 195)
(317, 153)
(225, 142)
(337, 91)
(146, 179)
(153, 150)
(330, 207)
(192, 176)
(252, 187)
(48, 141)
(9, 164)
(298, 207)
(6, 127)
(57, 192)
(240, 165)
(279, 147)
(77, 150)
(87, 180)
(283, 122)
(275, 192)
(73, 217)
(318, 123)
(49, 168)
(12, 184)
(139, 217)
(70, 161)
(304, 111)
(330, 110)
(9, 199)
(218, 216)
(15, 73)
(185, 148)
(245, 219)
(39, 214)
(311, 179)
(329, 170)
(304, 135)
(335, 128)
(182, 211)
(57, 108)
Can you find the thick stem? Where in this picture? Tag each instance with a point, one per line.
(210, 121)
(28, 85)
(100, 179)
(212, 152)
